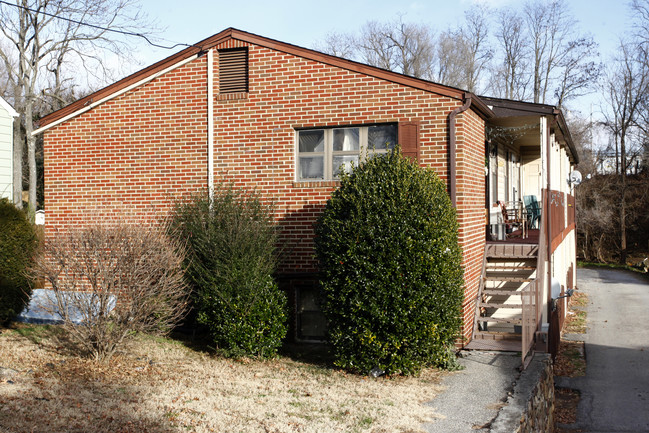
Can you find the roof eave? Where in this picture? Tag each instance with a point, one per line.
(206, 44)
(12, 112)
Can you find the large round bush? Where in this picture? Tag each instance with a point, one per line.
(231, 241)
(18, 242)
(391, 268)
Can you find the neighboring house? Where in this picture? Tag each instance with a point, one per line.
(271, 116)
(7, 115)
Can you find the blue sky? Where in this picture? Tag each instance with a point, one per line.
(305, 22)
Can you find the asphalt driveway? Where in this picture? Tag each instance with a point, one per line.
(615, 390)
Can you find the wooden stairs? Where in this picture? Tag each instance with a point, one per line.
(507, 269)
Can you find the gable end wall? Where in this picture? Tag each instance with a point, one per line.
(136, 152)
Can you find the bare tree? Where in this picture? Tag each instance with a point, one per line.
(112, 279)
(407, 48)
(338, 44)
(561, 60)
(452, 55)
(480, 53)
(396, 45)
(576, 73)
(511, 79)
(626, 87)
(464, 53)
(48, 42)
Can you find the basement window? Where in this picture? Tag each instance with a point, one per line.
(324, 153)
(233, 70)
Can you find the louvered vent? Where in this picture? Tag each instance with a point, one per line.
(233, 70)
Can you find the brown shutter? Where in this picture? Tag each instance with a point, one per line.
(233, 70)
(409, 139)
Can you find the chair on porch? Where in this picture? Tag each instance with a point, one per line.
(533, 210)
(514, 215)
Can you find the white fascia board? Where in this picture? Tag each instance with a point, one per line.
(4, 104)
(115, 95)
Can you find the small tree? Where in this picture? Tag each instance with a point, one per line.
(112, 280)
(391, 275)
(230, 264)
(18, 243)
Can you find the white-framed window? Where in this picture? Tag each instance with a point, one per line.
(322, 153)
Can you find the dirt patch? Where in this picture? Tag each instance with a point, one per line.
(565, 407)
(160, 385)
(570, 360)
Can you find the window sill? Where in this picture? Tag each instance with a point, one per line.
(231, 96)
(316, 183)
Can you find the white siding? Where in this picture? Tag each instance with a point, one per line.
(6, 150)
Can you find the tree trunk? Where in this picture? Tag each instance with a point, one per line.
(623, 252)
(31, 152)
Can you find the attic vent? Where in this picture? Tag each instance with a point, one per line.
(233, 70)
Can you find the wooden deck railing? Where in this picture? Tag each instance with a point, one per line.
(530, 324)
(533, 292)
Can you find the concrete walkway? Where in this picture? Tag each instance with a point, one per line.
(475, 395)
(615, 390)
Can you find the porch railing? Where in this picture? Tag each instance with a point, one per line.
(533, 292)
(530, 324)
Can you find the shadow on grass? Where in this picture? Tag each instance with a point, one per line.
(317, 354)
(70, 406)
(50, 337)
(50, 392)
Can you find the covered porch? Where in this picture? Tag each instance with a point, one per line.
(529, 214)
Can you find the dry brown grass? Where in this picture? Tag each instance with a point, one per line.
(160, 385)
(578, 299)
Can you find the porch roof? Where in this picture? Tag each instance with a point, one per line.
(519, 113)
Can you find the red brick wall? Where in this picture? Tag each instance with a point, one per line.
(131, 154)
(149, 145)
(471, 208)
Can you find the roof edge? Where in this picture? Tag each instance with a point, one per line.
(201, 47)
(563, 125)
(539, 109)
(4, 104)
(479, 106)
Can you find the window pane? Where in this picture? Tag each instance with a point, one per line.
(381, 137)
(311, 167)
(338, 162)
(312, 141)
(346, 139)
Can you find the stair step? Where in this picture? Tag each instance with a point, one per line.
(516, 320)
(499, 305)
(500, 267)
(498, 345)
(509, 279)
(489, 335)
(491, 292)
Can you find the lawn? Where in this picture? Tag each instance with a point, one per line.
(163, 385)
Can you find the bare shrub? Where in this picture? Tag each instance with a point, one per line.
(111, 280)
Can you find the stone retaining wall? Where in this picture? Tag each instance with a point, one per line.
(530, 408)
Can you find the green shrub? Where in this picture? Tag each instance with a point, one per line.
(231, 240)
(18, 242)
(391, 266)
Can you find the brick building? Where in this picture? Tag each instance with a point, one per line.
(270, 116)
